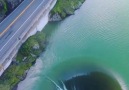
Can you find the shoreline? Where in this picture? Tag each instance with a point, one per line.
(27, 55)
(59, 13)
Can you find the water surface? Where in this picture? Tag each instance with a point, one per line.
(97, 35)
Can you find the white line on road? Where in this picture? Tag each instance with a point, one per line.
(21, 26)
(7, 28)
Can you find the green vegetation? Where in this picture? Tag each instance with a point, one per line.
(27, 49)
(66, 7)
(32, 48)
(4, 9)
(25, 58)
(7, 6)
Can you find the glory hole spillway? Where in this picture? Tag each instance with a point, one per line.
(93, 43)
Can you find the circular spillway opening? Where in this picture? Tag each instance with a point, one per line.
(92, 81)
(82, 75)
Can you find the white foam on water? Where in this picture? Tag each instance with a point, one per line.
(33, 73)
(118, 78)
(57, 86)
(32, 76)
(121, 82)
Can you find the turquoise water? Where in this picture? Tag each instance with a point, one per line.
(96, 36)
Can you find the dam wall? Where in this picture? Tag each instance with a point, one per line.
(37, 24)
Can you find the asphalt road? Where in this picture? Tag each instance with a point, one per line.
(17, 22)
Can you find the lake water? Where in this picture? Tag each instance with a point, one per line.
(93, 43)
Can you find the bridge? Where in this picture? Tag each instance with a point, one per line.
(28, 18)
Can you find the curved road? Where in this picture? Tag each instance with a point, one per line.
(17, 22)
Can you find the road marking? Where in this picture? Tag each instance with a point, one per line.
(12, 12)
(16, 19)
(21, 26)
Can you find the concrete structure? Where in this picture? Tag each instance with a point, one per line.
(24, 24)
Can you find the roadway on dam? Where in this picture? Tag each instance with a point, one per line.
(16, 23)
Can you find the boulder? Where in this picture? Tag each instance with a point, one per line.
(55, 17)
(36, 46)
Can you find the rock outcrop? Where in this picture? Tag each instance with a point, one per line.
(64, 8)
(55, 17)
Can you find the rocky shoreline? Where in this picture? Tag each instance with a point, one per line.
(59, 13)
(33, 47)
(26, 57)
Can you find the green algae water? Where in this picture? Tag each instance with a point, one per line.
(90, 46)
